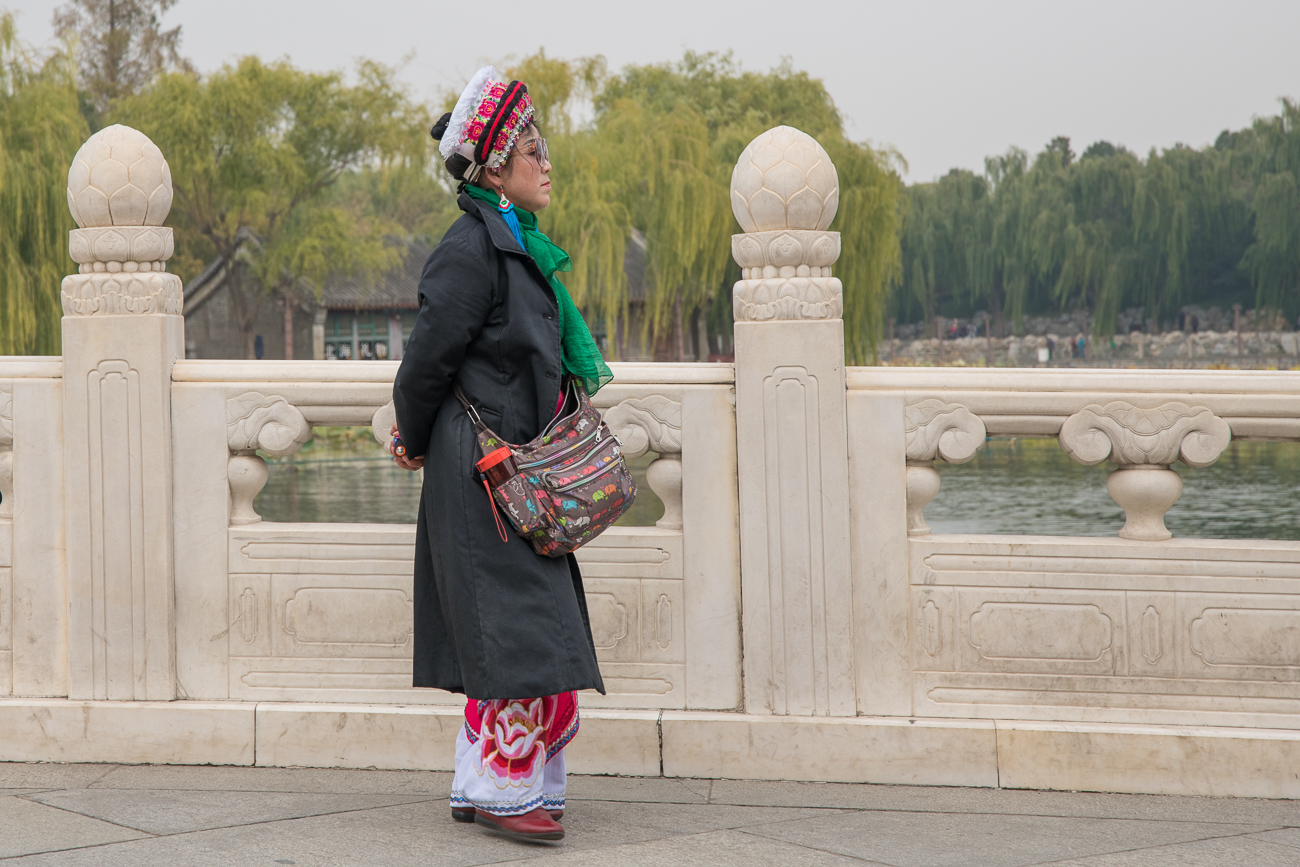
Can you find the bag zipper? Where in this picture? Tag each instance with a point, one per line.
(585, 479)
(548, 459)
(555, 421)
(583, 458)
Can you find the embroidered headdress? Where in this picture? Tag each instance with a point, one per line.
(483, 127)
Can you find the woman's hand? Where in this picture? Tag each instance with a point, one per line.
(401, 460)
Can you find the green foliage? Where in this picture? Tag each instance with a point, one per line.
(1219, 225)
(1273, 260)
(657, 158)
(256, 147)
(41, 128)
(1101, 233)
(411, 197)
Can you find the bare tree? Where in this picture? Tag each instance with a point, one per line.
(120, 44)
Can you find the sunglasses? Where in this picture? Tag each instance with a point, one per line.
(536, 148)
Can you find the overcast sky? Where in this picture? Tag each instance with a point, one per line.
(945, 83)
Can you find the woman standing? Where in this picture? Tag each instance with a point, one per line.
(493, 620)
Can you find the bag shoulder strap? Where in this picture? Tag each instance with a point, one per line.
(469, 408)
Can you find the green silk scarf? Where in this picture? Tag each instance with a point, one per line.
(580, 355)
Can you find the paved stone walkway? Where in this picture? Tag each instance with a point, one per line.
(106, 815)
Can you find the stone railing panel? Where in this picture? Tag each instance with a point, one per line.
(661, 598)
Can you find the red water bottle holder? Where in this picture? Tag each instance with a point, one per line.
(489, 462)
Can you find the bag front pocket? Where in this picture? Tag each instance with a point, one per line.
(586, 505)
(593, 462)
(522, 505)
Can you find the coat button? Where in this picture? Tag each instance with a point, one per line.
(547, 316)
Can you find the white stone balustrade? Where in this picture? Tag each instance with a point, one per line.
(340, 629)
(134, 570)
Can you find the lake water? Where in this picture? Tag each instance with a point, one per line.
(1030, 486)
(1019, 486)
(353, 480)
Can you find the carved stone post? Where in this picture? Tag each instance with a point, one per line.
(6, 454)
(122, 329)
(1144, 442)
(791, 438)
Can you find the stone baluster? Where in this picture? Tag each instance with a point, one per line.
(122, 330)
(654, 424)
(381, 423)
(792, 445)
(255, 421)
(1144, 442)
(935, 430)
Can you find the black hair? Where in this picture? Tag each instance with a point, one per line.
(457, 164)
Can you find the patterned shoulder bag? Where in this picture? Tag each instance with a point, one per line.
(566, 486)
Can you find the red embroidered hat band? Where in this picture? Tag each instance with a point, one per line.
(484, 125)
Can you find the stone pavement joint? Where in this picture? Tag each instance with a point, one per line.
(146, 815)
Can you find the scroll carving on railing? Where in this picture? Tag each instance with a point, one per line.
(654, 424)
(935, 429)
(1144, 442)
(119, 192)
(255, 421)
(6, 454)
(784, 193)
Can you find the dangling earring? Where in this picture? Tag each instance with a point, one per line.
(504, 204)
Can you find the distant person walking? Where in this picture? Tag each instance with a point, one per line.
(494, 620)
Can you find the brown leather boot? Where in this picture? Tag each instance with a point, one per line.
(535, 825)
(466, 814)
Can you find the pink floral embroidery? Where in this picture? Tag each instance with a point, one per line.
(512, 749)
(515, 737)
(513, 124)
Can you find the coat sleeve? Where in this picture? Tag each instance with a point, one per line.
(455, 299)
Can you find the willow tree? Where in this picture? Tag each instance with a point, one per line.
(1273, 260)
(587, 216)
(677, 201)
(41, 128)
(1100, 233)
(255, 147)
(656, 159)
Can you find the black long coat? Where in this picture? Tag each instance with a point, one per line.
(492, 619)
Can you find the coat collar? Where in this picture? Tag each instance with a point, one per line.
(498, 231)
(501, 236)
